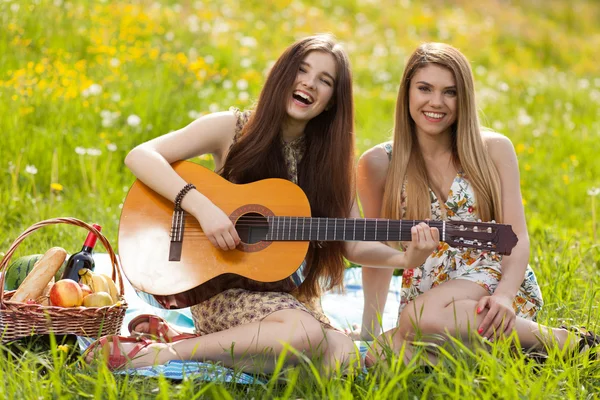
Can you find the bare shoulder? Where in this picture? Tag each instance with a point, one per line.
(217, 128)
(374, 163)
(499, 146)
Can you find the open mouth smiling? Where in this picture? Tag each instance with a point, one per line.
(303, 97)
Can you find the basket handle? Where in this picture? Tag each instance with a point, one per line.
(116, 264)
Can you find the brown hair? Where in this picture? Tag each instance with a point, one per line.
(468, 150)
(326, 170)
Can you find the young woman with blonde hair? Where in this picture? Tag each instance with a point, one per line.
(443, 165)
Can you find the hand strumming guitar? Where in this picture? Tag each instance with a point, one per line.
(217, 226)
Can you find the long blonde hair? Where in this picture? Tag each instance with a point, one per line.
(468, 150)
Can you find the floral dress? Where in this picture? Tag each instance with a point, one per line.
(234, 307)
(448, 262)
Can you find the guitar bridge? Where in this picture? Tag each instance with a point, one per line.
(177, 225)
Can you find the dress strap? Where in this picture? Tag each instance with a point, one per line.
(387, 146)
(242, 118)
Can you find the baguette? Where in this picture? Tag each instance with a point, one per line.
(34, 283)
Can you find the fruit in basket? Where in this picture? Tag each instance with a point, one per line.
(99, 284)
(112, 288)
(20, 267)
(41, 274)
(85, 277)
(66, 293)
(85, 289)
(98, 299)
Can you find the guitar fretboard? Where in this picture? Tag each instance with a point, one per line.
(344, 229)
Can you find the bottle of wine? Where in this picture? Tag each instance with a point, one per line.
(82, 259)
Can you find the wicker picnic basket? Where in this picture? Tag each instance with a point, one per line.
(19, 320)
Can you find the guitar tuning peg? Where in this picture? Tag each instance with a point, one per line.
(489, 229)
(493, 221)
(479, 220)
(475, 229)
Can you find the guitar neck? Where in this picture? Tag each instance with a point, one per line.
(344, 229)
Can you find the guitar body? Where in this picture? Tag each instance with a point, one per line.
(203, 270)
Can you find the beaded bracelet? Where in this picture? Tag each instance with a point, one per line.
(181, 194)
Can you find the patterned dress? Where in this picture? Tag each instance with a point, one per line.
(234, 307)
(448, 263)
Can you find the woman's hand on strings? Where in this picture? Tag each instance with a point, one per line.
(424, 240)
(218, 228)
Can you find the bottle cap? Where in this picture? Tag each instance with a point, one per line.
(90, 241)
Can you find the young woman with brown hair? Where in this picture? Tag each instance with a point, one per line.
(443, 165)
(302, 130)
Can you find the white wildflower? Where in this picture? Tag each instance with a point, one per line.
(594, 192)
(227, 84)
(193, 114)
(133, 120)
(80, 150)
(31, 169)
(169, 36)
(93, 90)
(209, 59)
(111, 147)
(583, 84)
(192, 22)
(248, 41)
(94, 152)
(214, 107)
(116, 97)
(242, 84)
(524, 118)
(115, 62)
(498, 125)
(243, 96)
(246, 63)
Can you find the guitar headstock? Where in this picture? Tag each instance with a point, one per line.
(487, 236)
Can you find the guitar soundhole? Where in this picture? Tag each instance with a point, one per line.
(252, 228)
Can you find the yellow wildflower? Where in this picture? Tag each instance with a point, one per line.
(64, 348)
(56, 186)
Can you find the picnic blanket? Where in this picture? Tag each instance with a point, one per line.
(344, 310)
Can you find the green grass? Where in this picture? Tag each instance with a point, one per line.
(537, 81)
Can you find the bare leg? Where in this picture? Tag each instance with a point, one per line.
(255, 347)
(450, 309)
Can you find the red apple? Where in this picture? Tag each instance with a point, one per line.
(66, 293)
(85, 289)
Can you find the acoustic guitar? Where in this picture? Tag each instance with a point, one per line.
(167, 256)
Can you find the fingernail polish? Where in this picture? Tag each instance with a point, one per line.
(480, 331)
(478, 310)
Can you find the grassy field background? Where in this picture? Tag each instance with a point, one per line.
(83, 82)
